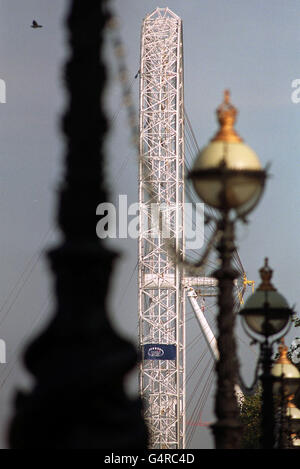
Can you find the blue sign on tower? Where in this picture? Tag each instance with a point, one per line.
(159, 352)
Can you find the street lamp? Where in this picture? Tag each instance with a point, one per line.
(286, 380)
(283, 369)
(227, 173)
(293, 414)
(295, 441)
(227, 176)
(266, 318)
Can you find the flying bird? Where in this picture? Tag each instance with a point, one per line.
(36, 25)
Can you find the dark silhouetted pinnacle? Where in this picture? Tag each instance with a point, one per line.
(79, 362)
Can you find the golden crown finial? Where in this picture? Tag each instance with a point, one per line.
(266, 274)
(290, 403)
(226, 96)
(226, 114)
(283, 352)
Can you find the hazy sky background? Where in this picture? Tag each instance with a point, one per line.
(250, 47)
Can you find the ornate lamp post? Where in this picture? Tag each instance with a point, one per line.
(293, 415)
(227, 175)
(266, 318)
(286, 378)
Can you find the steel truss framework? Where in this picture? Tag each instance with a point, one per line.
(162, 286)
(161, 293)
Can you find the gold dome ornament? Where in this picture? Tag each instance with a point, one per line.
(227, 173)
(292, 410)
(285, 373)
(226, 114)
(266, 274)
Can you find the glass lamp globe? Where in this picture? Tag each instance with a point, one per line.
(287, 375)
(227, 173)
(295, 441)
(266, 312)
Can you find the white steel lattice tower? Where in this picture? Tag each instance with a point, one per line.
(161, 295)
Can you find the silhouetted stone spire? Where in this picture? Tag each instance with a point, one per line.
(79, 362)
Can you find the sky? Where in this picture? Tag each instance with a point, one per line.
(252, 48)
